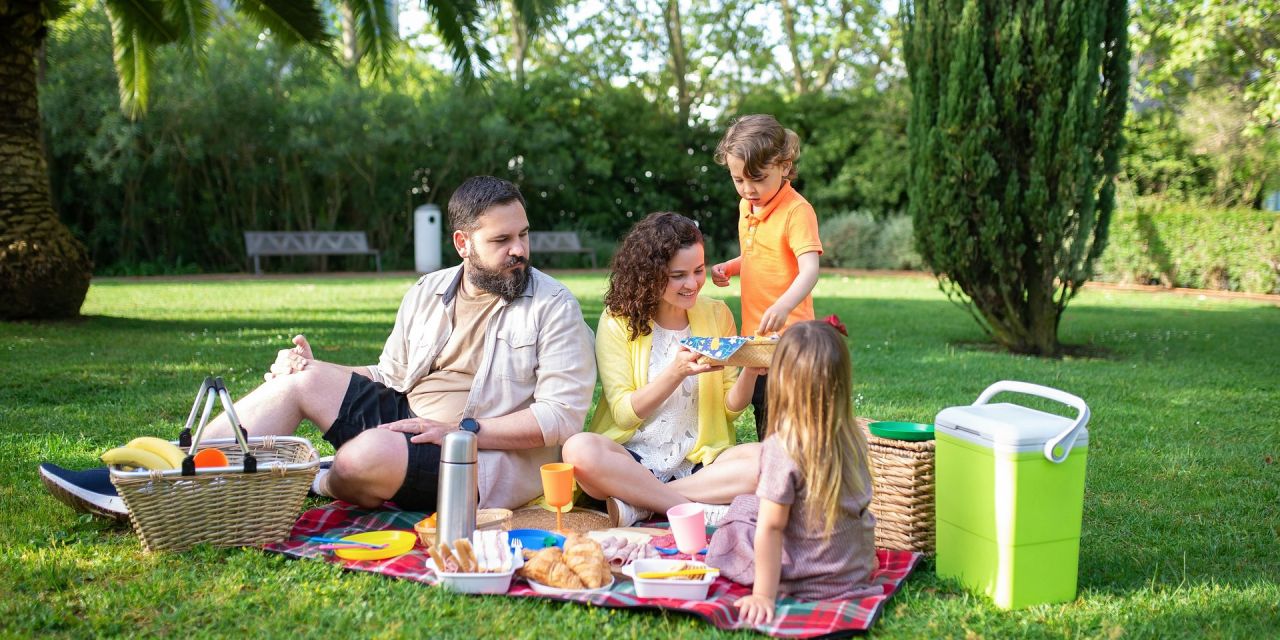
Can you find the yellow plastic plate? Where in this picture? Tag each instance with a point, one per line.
(398, 543)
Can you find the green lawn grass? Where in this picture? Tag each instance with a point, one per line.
(1181, 532)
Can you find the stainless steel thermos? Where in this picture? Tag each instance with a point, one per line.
(457, 488)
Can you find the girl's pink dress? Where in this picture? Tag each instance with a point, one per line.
(814, 566)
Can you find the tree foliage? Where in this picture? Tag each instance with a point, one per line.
(44, 271)
(1015, 134)
(276, 138)
(1207, 123)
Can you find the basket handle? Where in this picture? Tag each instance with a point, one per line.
(1069, 435)
(211, 389)
(184, 438)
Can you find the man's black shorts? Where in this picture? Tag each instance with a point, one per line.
(368, 404)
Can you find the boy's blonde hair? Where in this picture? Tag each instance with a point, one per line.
(760, 141)
(811, 411)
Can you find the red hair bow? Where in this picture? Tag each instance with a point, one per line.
(834, 320)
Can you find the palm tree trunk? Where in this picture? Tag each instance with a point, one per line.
(44, 270)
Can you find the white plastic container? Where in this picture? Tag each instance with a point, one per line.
(476, 582)
(669, 587)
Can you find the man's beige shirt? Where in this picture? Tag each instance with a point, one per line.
(537, 354)
(442, 394)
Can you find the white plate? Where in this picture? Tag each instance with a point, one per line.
(545, 590)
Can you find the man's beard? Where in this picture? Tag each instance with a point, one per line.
(508, 286)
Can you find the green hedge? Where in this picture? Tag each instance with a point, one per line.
(1182, 245)
(1151, 242)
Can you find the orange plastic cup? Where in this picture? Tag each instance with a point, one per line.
(557, 486)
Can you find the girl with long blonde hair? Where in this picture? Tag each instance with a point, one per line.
(807, 531)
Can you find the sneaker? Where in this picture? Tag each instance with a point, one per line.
(622, 514)
(714, 513)
(318, 484)
(88, 491)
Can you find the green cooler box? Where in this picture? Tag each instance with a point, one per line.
(1010, 489)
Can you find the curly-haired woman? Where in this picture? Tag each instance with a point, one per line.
(663, 431)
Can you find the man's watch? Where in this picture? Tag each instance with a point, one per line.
(470, 424)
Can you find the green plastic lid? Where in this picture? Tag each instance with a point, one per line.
(902, 430)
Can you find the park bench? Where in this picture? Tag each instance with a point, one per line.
(544, 242)
(307, 243)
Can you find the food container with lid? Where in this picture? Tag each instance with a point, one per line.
(677, 588)
(477, 582)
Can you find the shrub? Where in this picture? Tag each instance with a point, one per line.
(1180, 245)
(861, 240)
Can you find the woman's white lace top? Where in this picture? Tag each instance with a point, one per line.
(668, 435)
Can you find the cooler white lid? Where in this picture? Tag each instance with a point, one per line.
(1009, 427)
(1005, 424)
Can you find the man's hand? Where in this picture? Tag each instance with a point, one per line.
(290, 361)
(755, 609)
(720, 274)
(773, 319)
(428, 431)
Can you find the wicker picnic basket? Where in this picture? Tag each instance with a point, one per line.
(753, 354)
(254, 500)
(902, 492)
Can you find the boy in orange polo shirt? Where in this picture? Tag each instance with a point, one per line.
(777, 234)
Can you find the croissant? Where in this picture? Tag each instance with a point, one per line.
(538, 563)
(585, 557)
(548, 567)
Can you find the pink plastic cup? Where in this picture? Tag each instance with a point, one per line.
(689, 526)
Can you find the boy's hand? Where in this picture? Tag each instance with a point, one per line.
(720, 275)
(755, 609)
(773, 319)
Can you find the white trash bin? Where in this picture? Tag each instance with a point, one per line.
(426, 238)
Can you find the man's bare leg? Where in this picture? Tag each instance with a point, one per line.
(279, 405)
(370, 468)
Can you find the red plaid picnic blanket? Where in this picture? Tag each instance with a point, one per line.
(793, 618)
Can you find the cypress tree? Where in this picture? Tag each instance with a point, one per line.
(1015, 134)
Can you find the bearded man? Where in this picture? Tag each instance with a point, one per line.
(492, 345)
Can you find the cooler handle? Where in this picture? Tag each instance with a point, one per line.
(1067, 438)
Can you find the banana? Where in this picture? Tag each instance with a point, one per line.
(135, 457)
(163, 448)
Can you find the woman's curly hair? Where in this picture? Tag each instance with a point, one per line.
(638, 273)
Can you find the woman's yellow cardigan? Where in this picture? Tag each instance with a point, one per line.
(624, 368)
